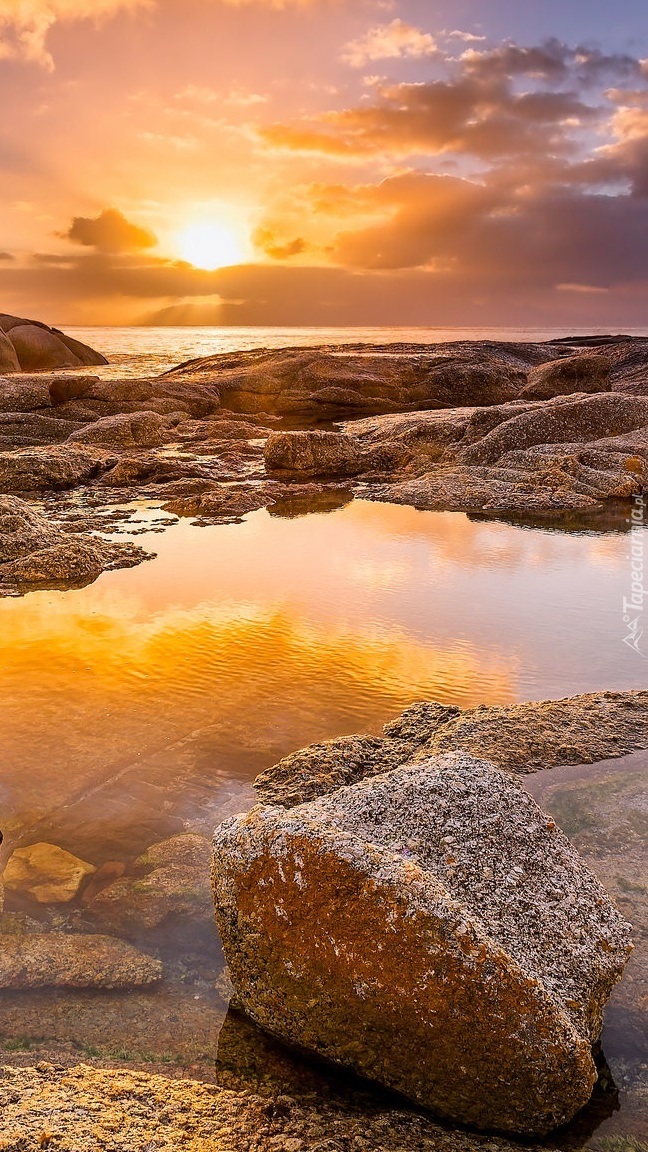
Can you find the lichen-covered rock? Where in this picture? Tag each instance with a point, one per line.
(85, 1109)
(46, 873)
(56, 960)
(131, 430)
(580, 373)
(431, 929)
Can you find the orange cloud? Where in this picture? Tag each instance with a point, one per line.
(110, 232)
(388, 42)
(24, 24)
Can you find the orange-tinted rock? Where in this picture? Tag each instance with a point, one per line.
(431, 929)
(46, 873)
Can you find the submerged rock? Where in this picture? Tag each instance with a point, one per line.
(55, 960)
(431, 929)
(171, 879)
(46, 873)
(99, 1109)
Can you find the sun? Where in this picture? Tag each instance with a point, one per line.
(210, 245)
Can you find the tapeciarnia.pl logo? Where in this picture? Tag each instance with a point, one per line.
(633, 605)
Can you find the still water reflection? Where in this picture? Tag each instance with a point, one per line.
(144, 705)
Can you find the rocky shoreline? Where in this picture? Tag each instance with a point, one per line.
(533, 430)
(515, 430)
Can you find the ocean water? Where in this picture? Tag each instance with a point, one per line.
(149, 351)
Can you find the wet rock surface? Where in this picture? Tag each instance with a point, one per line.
(495, 428)
(46, 873)
(170, 880)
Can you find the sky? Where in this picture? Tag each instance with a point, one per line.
(325, 162)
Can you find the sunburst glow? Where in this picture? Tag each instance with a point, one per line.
(210, 245)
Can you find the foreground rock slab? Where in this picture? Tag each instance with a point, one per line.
(36, 552)
(55, 960)
(87, 1109)
(431, 929)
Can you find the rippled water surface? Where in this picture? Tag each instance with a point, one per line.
(145, 704)
(270, 634)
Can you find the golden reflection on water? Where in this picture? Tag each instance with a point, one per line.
(274, 633)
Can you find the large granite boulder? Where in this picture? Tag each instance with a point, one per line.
(431, 929)
(9, 361)
(31, 346)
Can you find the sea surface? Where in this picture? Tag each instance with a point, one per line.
(149, 351)
(145, 704)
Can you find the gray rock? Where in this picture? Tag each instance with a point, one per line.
(431, 929)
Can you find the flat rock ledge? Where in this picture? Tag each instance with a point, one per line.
(431, 929)
(518, 738)
(86, 1109)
